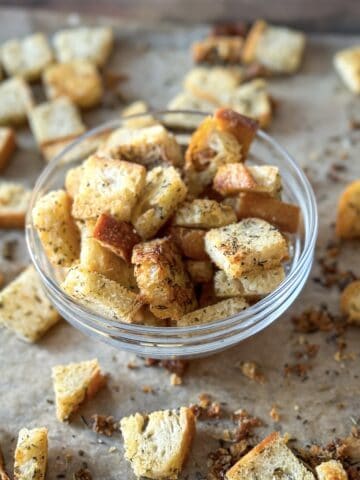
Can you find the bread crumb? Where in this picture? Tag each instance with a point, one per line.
(274, 413)
(82, 474)
(175, 379)
(103, 424)
(147, 389)
(251, 370)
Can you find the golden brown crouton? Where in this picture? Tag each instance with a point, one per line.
(200, 271)
(203, 213)
(267, 178)
(190, 242)
(31, 454)
(233, 178)
(350, 302)
(347, 64)
(348, 214)
(7, 146)
(14, 200)
(72, 180)
(226, 287)
(218, 49)
(212, 313)
(331, 470)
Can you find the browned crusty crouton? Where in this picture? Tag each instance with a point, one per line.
(200, 271)
(348, 214)
(233, 178)
(7, 146)
(331, 470)
(190, 242)
(218, 49)
(350, 302)
(204, 213)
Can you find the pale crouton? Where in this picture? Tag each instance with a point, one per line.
(233, 178)
(14, 200)
(218, 49)
(25, 309)
(72, 180)
(260, 283)
(217, 311)
(268, 460)
(73, 384)
(187, 101)
(16, 101)
(79, 80)
(268, 179)
(226, 287)
(204, 213)
(162, 279)
(200, 271)
(245, 246)
(27, 57)
(84, 43)
(331, 470)
(350, 302)
(31, 454)
(136, 108)
(164, 191)
(7, 146)
(149, 146)
(190, 242)
(347, 64)
(56, 228)
(108, 186)
(348, 213)
(102, 295)
(284, 216)
(158, 444)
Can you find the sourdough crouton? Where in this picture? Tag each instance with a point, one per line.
(16, 101)
(233, 178)
(108, 186)
(348, 213)
(56, 228)
(102, 295)
(14, 200)
(190, 241)
(28, 57)
(73, 384)
(200, 271)
(79, 80)
(158, 444)
(84, 43)
(218, 311)
(350, 302)
(162, 278)
(269, 459)
(347, 64)
(136, 108)
(331, 470)
(204, 213)
(7, 146)
(164, 191)
(31, 454)
(245, 246)
(25, 309)
(226, 287)
(284, 216)
(187, 101)
(72, 180)
(218, 49)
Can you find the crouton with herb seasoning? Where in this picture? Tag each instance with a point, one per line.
(348, 213)
(204, 213)
(190, 241)
(16, 100)
(350, 302)
(14, 200)
(7, 146)
(331, 470)
(212, 313)
(72, 180)
(31, 454)
(158, 444)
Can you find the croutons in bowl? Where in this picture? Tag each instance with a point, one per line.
(171, 243)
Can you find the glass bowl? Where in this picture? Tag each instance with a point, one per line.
(194, 341)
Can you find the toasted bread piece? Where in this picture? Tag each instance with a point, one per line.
(162, 278)
(347, 64)
(84, 43)
(79, 80)
(14, 200)
(212, 313)
(204, 213)
(31, 454)
(331, 470)
(245, 246)
(108, 186)
(226, 287)
(270, 459)
(119, 237)
(102, 295)
(158, 444)
(187, 101)
(233, 178)
(268, 179)
(200, 271)
(16, 101)
(25, 309)
(348, 213)
(72, 180)
(218, 49)
(252, 40)
(284, 216)
(73, 384)
(190, 242)
(56, 228)
(350, 302)
(7, 146)
(148, 146)
(139, 122)
(27, 57)
(163, 192)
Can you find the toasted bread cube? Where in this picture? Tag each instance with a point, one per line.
(56, 228)
(16, 101)
(162, 278)
(233, 178)
(190, 241)
(245, 246)
(31, 454)
(204, 213)
(72, 180)
(226, 287)
(347, 64)
(218, 49)
(108, 186)
(200, 271)
(284, 216)
(14, 200)
(84, 43)
(73, 384)
(27, 57)
(269, 459)
(187, 101)
(350, 302)
(267, 178)
(217, 311)
(163, 192)
(158, 444)
(102, 295)
(148, 146)
(25, 309)
(7, 146)
(79, 80)
(136, 108)
(348, 213)
(260, 283)
(119, 237)
(331, 470)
